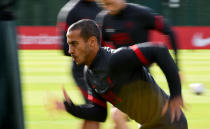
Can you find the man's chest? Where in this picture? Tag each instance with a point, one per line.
(99, 80)
(103, 85)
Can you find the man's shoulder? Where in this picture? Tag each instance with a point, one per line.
(139, 8)
(107, 51)
(111, 51)
(109, 54)
(118, 54)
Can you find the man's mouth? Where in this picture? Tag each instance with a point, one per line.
(73, 57)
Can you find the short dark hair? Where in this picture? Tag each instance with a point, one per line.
(88, 28)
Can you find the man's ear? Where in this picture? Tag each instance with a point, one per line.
(92, 41)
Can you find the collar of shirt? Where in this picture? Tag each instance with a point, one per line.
(96, 59)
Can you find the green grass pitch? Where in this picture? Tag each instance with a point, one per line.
(44, 71)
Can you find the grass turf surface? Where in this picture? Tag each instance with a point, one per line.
(43, 72)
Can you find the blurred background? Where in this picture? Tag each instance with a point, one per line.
(33, 67)
(178, 12)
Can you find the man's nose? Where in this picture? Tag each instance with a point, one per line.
(70, 50)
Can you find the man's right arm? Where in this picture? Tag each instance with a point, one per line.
(94, 110)
(91, 112)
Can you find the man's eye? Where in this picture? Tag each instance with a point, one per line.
(74, 44)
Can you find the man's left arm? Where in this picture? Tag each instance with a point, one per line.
(145, 54)
(148, 54)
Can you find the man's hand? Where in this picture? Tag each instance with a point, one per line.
(53, 103)
(59, 105)
(68, 100)
(175, 106)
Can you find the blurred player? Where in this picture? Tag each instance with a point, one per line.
(71, 12)
(125, 24)
(120, 77)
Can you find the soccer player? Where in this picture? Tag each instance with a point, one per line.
(71, 12)
(119, 76)
(125, 24)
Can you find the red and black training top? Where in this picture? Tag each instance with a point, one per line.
(119, 76)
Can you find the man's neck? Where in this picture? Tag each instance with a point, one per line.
(123, 6)
(92, 56)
